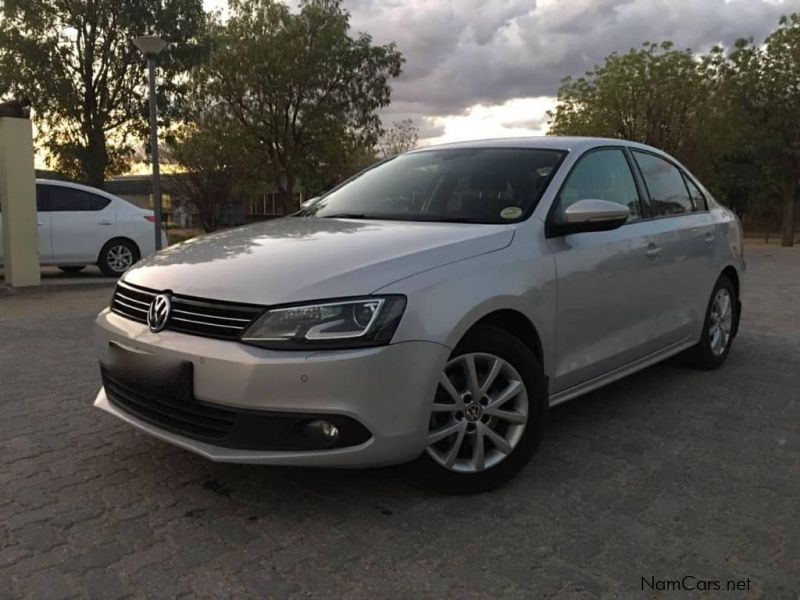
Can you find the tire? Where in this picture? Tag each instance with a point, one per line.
(711, 351)
(451, 462)
(72, 268)
(116, 256)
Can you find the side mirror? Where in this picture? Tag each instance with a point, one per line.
(590, 215)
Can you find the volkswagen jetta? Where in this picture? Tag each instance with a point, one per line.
(431, 308)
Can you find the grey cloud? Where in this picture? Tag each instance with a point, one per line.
(427, 127)
(474, 51)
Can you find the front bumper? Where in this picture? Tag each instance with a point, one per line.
(387, 389)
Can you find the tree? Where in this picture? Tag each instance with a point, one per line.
(655, 95)
(767, 83)
(76, 61)
(301, 86)
(206, 148)
(401, 137)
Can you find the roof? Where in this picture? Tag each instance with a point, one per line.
(553, 142)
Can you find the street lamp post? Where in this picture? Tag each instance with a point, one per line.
(151, 47)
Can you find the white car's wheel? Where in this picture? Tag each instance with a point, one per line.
(117, 256)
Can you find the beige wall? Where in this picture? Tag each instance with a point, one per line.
(18, 197)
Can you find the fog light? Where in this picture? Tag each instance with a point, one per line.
(325, 429)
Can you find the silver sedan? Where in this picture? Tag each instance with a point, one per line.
(431, 308)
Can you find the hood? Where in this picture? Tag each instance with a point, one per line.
(294, 259)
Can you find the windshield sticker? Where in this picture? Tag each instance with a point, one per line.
(511, 212)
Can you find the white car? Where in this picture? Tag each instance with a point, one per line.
(81, 225)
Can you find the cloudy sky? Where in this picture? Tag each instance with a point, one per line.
(485, 68)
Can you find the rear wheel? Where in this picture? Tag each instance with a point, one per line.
(72, 268)
(718, 329)
(116, 256)
(488, 414)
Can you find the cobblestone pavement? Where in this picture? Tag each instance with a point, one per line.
(669, 473)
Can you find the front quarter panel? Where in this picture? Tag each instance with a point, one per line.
(445, 302)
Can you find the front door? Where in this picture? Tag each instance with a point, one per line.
(606, 285)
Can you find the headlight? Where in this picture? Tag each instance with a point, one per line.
(351, 323)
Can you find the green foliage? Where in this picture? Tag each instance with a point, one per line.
(401, 137)
(655, 95)
(301, 88)
(76, 61)
(766, 91)
(207, 146)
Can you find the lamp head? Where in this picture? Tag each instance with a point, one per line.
(150, 45)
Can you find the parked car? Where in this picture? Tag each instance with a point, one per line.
(432, 308)
(81, 225)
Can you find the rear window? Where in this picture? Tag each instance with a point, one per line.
(64, 199)
(665, 185)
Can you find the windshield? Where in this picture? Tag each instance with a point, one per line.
(474, 185)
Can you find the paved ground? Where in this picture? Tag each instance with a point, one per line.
(53, 279)
(667, 474)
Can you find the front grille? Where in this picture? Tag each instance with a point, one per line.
(208, 318)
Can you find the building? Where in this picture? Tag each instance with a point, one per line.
(246, 208)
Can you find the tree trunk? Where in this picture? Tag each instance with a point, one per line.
(96, 160)
(787, 239)
(286, 194)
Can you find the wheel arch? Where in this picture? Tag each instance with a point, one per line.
(731, 273)
(518, 325)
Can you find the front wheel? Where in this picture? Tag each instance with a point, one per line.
(488, 414)
(720, 324)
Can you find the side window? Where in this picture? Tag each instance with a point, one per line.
(42, 205)
(698, 199)
(601, 175)
(668, 193)
(63, 199)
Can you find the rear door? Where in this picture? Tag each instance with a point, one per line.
(683, 236)
(606, 285)
(81, 223)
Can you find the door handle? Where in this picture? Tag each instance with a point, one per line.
(709, 239)
(105, 223)
(39, 223)
(653, 251)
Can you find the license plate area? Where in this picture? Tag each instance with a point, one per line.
(150, 374)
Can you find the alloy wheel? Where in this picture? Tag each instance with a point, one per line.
(479, 413)
(119, 258)
(721, 322)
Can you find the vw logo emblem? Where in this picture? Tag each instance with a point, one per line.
(473, 412)
(158, 313)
